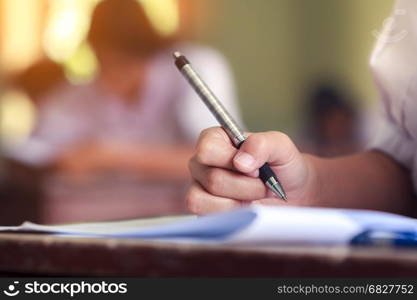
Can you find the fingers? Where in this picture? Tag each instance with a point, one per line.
(227, 183)
(224, 176)
(273, 147)
(201, 202)
(215, 149)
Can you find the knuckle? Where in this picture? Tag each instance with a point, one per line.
(281, 137)
(191, 163)
(258, 139)
(209, 133)
(192, 200)
(215, 181)
(205, 132)
(273, 143)
(287, 148)
(203, 151)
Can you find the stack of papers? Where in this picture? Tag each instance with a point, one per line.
(256, 225)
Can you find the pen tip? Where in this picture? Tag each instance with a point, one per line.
(176, 54)
(277, 189)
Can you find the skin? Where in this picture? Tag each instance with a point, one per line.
(225, 177)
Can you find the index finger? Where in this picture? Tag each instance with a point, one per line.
(215, 149)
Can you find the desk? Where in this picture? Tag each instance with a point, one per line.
(47, 197)
(37, 255)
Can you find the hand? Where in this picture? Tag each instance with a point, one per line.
(225, 177)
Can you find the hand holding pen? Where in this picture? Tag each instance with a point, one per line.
(220, 153)
(225, 119)
(226, 177)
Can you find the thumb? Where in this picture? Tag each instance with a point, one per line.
(273, 147)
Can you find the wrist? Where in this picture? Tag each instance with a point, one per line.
(314, 184)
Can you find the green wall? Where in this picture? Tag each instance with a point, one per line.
(277, 47)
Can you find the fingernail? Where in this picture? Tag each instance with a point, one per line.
(244, 159)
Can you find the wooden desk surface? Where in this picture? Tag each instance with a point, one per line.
(36, 255)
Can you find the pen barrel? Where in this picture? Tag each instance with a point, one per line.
(214, 105)
(266, 173)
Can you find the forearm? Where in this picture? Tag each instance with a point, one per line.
(369, 180)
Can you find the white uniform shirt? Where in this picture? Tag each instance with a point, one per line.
(167, 112)
(394, 65)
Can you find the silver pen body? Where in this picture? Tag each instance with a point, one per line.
(214, 105)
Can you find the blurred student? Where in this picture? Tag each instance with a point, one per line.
(40, 79)
(381, 178)
(138, 114)
(332, 122)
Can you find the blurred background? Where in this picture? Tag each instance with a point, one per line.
(297, 66)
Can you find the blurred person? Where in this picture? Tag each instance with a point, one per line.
(332, 122)
(118, 146)
(138, 114)
(40, 79)
(382, 178)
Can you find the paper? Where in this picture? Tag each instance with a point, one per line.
(253, 225)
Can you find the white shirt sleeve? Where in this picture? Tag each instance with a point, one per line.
(395, 76)
(194, 116)
(391, 139)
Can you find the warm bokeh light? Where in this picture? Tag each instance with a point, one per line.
(68, 22)
(278, 32)
(163, 14)
(21, 25)
(66, 27)
(81, 67)
(59, 28)
(17, 115)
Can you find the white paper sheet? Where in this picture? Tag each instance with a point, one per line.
(251, 225)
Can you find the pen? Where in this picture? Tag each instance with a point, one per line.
(225, 119)
(386, 238)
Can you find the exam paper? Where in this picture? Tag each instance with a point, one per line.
(252, 225)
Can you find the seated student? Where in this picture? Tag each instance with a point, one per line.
(39, 79)
(332, 122)
(139, 113)
(381, 178)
